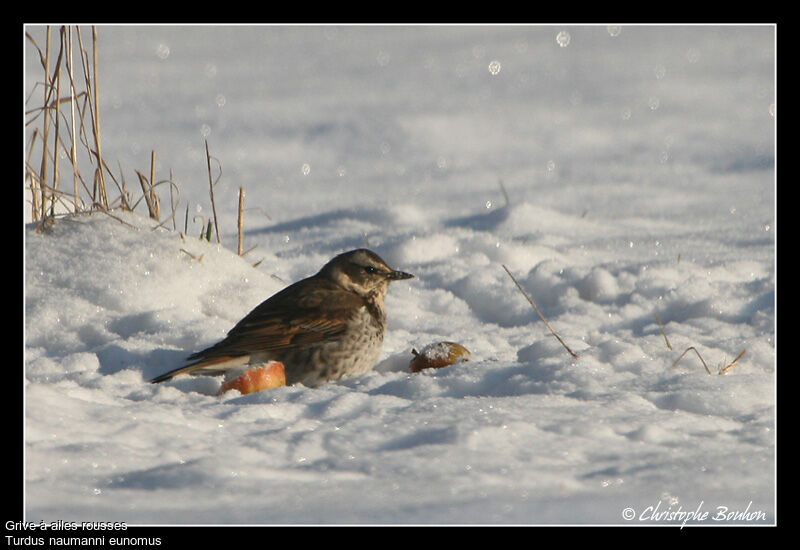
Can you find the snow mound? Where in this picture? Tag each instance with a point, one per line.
(111, 304)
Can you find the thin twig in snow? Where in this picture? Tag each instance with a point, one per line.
(211, 190)
(539, 313)
(661, 328)
(240, 223)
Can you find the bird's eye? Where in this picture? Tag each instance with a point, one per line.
(371, 270)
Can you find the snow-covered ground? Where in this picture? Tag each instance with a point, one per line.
(639, 165)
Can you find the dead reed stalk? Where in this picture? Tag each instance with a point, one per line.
(153, 196)
(211, 191)
(539, 313)
(56, 125)
(46, 128)
(73, 141)
(732, 364)
(148, 195)
(240, 223)
(663, 333)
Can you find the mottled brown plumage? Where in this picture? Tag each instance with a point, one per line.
(322, 328)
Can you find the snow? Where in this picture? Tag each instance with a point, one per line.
(640, 173)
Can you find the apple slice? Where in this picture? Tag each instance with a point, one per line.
(438, 355)
(256, 379)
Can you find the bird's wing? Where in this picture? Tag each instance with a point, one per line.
(307, 312)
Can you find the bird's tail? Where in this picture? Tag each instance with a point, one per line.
(211, 366)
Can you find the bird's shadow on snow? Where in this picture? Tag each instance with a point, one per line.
(316, 220)
(114, 358)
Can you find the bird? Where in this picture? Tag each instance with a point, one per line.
(322, 328)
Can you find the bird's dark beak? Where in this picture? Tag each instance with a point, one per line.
(397, 275)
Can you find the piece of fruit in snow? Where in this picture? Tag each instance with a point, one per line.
(438, 355)
(256, 379)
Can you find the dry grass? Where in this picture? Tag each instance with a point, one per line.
(66, 130)
(722, 370)
(539, 313)
(240, 223)
(69, 130)
(661, 328)
(211, 184)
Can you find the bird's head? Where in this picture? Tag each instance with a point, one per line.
(363, 272)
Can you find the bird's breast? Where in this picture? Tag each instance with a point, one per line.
(373, 307)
